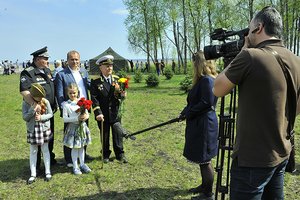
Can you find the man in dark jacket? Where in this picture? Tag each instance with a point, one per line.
(39, 72)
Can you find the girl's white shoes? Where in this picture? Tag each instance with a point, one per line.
(48, 177)
(77, 171)
(31, 180)
(85, 168)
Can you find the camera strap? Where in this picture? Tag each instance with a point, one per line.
(291, 94)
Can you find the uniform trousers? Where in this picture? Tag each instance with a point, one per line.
(117, 139)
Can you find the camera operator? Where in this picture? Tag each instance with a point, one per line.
(262, 147)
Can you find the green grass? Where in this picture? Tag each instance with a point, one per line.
(156, 168)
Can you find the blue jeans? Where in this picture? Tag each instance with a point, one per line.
(257, 183)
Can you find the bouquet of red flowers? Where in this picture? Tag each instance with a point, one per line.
(84, 104)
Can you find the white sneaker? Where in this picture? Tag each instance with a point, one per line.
(31, 180)
(48, 177)
(85, 168)
(77, 171)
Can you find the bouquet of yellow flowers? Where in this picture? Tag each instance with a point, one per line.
(123, 83)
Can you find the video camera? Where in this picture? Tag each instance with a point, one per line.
(227, 50)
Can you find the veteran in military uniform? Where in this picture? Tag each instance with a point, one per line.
(39, 72)
(105, 106)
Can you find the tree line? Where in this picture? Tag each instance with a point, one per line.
(177, 28)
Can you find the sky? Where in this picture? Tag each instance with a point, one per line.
(88, 26)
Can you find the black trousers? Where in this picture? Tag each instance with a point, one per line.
(50, 146)
(117, 139)
(67, 150)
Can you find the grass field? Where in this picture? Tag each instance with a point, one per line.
(156, 168)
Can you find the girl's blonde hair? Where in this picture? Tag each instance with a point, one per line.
(203, 67)
(73, 86)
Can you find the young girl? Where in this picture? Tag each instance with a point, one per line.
(38, 129)
(77, 134)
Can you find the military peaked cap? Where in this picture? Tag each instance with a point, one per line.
(43, 52)
(105, 60)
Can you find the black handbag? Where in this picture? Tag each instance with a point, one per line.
(292, 107)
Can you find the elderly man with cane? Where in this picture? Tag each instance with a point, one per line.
(106, 95)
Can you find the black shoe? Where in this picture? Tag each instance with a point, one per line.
(196, 190)
(105, 160)
(88, 157)
(203, 197)
(53, 162)
(59, 163)
(122, 159)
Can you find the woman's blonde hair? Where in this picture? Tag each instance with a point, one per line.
(203, 67)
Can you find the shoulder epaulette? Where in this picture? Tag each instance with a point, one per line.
(95, 77)
(115, 76)
(29, 68)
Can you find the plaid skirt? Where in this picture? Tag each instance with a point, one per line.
(39, 137)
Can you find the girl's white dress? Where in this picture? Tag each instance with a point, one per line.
(77, 134)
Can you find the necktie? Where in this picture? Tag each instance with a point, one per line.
(108, 80)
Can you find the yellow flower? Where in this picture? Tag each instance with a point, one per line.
(122, 80)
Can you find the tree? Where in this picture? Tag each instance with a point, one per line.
(187, 24)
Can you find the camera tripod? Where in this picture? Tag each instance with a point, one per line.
(226, 140)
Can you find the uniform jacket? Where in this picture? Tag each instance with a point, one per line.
(29, 116)
(63, 79)
(104, 100)
(33, 74)
(201, 134)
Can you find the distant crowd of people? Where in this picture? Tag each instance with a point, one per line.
(9, 67)
(159, 66)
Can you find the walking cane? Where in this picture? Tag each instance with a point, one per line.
(102, 148)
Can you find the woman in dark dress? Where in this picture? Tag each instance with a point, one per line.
(201, 133)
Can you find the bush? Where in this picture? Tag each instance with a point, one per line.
(186, 84)
(152, 80)
(138, 76)
(122, 74)
(168, 73)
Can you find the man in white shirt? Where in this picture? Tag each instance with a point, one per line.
(71, 74)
